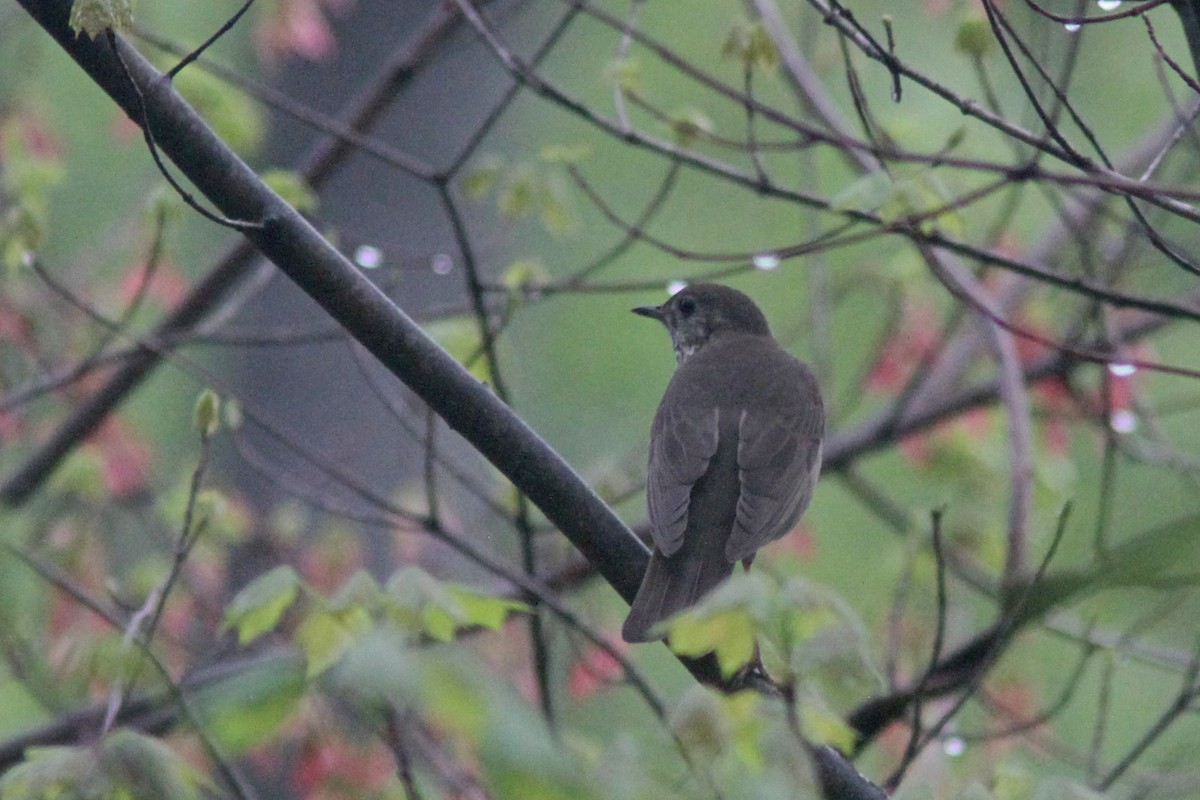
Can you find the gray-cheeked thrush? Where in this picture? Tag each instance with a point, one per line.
(735, 450)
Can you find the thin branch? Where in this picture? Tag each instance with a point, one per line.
(211, 40)
(915, 739)
(1182, 703)
(1016, 403)
(142, 117)
(1137, 10)
(1191, 82)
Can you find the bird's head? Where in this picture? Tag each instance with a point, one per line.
(698, 313)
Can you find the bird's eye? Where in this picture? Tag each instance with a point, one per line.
(687, 306)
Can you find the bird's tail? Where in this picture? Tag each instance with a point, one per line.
(674, 583)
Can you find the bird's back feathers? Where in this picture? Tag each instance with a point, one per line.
(735, 448)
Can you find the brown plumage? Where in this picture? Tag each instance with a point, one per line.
(734, 451)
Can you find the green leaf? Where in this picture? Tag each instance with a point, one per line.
(899, 199)
(528, 189)
(524, 274)
(235, 118)
(478, 182)
(746, 721)
(111, 659)
(974, 36)
(524, 761)
(750, 43)
(164, 204)
(865, 194)
(233, 414)
(955, 139)
(814, 640)
(258, 608)
(1154, 558)
(822, 726)
(210, 514)
(23, 594)
(326, 634)
(291, 186)
(933, 194)
(46, 772)
(438, 622)
(22, 709)
(207, 414)
(96, 16)
(919, 196)
(454, 697)
(728, 634)
(1011, 782)
(625, 74)
(483, 610)
(713, 725)
(146, 767)
(689, 124)
(26, 181)
(555, 206)
(424, 605)
(1149, 560)
(251, 706)
(379, 671)
(564, 153)
(700, 722)
(459, 336)
(359, 590)
(520, 193)
(125, 764)
(725, 622)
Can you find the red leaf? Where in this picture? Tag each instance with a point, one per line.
(299, 27)
(125, 458)
(915, 339)
(595, 670)
(167, 285)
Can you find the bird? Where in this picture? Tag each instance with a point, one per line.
(735, 450)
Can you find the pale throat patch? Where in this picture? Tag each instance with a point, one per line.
(684, 350)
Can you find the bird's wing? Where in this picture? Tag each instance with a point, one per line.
(779, 458)
(682, 442)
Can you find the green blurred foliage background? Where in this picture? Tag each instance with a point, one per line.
(587, 376)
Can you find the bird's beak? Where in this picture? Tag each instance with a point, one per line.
(653, 312)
